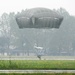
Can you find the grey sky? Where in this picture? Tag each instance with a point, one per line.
(17, 5)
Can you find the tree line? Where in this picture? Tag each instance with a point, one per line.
(23, 41)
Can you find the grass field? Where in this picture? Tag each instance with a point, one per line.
(38, 74)
(37, 64)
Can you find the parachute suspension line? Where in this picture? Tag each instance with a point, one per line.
(45, 42)
(37, 47)
(37, 41)
(46, 37)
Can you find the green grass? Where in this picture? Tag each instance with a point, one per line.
(37, 74)
(38, 64)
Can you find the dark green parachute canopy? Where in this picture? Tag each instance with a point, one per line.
(39, 18)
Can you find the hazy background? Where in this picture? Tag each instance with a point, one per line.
(17, 5)
(15, 41)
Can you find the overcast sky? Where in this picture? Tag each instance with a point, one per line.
(17, 5)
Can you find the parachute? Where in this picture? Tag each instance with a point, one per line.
(38, 18)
